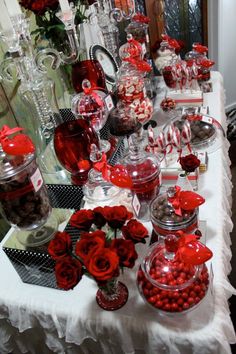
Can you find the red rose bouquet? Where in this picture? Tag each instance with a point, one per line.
(107, 244)
(49, 26)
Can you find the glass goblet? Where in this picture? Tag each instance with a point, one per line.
(90, 105)
(72, 141)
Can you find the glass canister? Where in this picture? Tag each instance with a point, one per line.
(171, 283)
(23, 195)
(144, 171)
(165, 220)
(130, 84)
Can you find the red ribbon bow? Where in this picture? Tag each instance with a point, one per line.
(18, 145)
(90, 91)
(141, 18)
(141, 65)
(200, 48)
(185, 200)
(172, 42)
(103, 167)
(193, 252)
(207, 63)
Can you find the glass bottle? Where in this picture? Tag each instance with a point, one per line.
(144, 170)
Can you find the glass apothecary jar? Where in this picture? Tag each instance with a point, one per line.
(165, 220)
(24, 199)
(169, 284)
(144, 171)
(130, 83)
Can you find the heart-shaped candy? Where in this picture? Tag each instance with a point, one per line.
(189, 200)
(18, 145)
(195, 253)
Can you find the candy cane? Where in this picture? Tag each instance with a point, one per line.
(176, 142)
(186, 135)
(169, 137)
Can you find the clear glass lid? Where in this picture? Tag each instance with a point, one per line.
(171, 273)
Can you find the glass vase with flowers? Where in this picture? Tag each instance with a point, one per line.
(106, 246)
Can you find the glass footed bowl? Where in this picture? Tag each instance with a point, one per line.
(206, 131)
(169, 285)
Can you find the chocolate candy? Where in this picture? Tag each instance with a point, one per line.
(22, 203)
(200, 131)
(163, 211)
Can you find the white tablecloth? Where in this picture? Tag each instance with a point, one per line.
(37, 320)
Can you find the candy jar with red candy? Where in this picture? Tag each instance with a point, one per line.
(173, 277)
(175, 211)
(197, 53)
(144, 171)
(131, 49)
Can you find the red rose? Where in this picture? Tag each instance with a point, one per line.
(82, 219)
(116, 216)
(126, 252)
(103, 264)
(68, 273)
(60, 246)
(99, 219)
(39, 7)
(88, 242)
(189, 163)
(135, 231)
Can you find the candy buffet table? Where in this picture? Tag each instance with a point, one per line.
(41, 320)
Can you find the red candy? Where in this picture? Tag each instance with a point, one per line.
(130, 88)
(143, 109)
(168, 104)
(173, 300)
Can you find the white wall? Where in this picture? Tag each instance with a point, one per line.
(222, 44)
